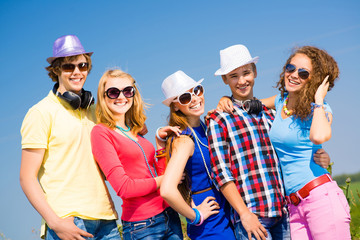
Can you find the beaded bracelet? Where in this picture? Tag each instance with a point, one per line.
(197, 217)
(160, 152)
(158, 136)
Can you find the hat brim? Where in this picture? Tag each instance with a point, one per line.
(169, 100)
(51, 59)
(224, 71)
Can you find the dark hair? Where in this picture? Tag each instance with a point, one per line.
(54, 70)
(177, 118)
(322, 65)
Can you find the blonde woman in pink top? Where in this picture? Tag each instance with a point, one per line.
(128, 160)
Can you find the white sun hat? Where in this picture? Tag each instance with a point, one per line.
(233, 57)
(177, 84)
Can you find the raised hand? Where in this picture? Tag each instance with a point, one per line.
(322, 91)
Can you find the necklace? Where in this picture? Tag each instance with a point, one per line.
(287, 111)
(205, 145)
(123, 130)
(142, 150)
(198, 142)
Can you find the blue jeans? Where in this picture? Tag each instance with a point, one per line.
(100, 229)
(276, 227)
(165, 225)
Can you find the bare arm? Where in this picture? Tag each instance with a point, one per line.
(269, 102)
(31, 161)
(320, 130)
(183, 148)
(248, 219)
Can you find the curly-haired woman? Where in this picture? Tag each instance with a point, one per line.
(318, 207)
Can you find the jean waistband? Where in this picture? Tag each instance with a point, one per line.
(165, 213)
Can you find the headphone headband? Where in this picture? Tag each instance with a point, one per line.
(85, 100)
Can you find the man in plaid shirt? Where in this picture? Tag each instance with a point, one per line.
(244, 163)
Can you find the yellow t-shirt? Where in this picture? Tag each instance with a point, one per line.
(71, 180)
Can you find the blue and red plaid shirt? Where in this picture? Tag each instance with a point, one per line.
(241, 151)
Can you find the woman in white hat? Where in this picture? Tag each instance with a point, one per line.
(127, 160)
(205, 208)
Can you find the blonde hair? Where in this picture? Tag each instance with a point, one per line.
(135, 117)
(322, 65)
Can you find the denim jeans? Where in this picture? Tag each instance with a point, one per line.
(276, 227)
(165, 225)
(100, 229)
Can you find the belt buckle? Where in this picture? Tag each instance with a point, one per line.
(294, 199)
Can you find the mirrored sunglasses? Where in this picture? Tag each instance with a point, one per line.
(70, 67)
(303, 73)
(114, 92)
(185, 98)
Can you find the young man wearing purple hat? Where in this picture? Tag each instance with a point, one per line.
(58, 173)
(244, 163)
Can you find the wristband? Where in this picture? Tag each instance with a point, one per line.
(197, 217)
(314, 105)
(201, 219)
(158, 137)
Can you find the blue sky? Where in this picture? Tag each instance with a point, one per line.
(153, 39)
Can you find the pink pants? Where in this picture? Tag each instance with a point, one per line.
(324, 214)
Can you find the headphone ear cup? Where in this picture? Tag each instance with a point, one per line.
(254, 106)
(72, 98)
(87, 99)
(257, 106)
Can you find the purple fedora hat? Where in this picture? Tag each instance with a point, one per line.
(65, 46)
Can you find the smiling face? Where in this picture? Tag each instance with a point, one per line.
(241, 81)
(120, 105)
(293, 83)
(73, 81)
(194, 109)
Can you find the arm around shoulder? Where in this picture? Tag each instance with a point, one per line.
(269, 102)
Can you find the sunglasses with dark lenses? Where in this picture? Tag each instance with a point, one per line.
(114, 92)
(185, 98)
(303, 73)
(69, 67)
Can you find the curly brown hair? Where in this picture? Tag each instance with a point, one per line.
(322, 65)
(54, 70)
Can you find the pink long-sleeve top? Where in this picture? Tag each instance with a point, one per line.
(123, 163)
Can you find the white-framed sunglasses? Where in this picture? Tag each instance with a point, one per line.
(185, 98)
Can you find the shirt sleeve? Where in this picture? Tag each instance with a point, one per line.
(35, 130)
(327, 108)
(219, 150)
(107, 158)
(278, 103)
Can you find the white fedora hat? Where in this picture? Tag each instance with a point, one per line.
(233, 57)
(175, 85)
